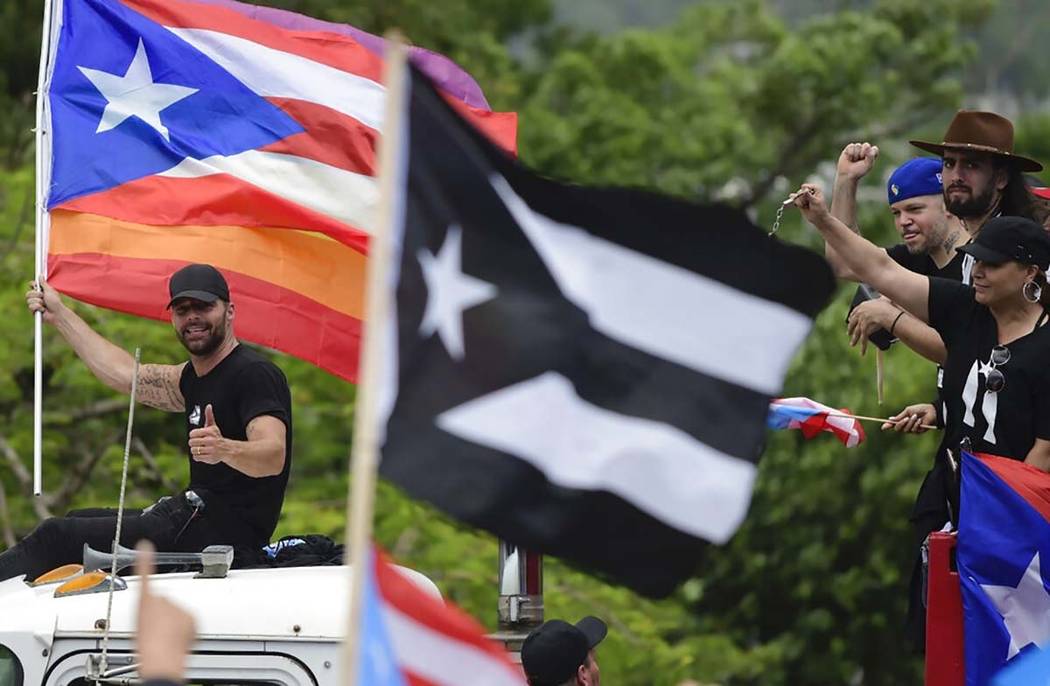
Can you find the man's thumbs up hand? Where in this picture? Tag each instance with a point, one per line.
(207, 444)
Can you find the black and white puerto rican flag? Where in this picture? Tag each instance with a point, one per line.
(584, 372)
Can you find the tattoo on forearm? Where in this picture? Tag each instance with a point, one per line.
(159, 387)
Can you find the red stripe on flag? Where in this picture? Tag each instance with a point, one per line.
(217, 200)
(355, 143)
(1031, 483)
(500, 127)
(443, 618)
(332, 49)
(414, 679)
(265, 314)
(331, 137)
(323, 47)
(813, 426)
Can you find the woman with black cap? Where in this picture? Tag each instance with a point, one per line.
(997, 374)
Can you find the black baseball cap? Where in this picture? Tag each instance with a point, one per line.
(1005, 239)
(552, 653)
(200, 282)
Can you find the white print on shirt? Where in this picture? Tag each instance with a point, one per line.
(989, 405)
(967, 268)
(195, 416)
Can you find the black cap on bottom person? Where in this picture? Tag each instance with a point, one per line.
(553, 652)
(200, 282)
(1006, 239)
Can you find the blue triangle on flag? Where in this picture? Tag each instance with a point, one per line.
(377, 663)
(223, 116)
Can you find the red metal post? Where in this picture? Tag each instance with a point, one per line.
(944, 617)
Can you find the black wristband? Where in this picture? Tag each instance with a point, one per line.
(895, 320)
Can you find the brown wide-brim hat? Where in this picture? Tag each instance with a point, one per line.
(985, 132)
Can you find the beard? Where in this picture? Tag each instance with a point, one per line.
(929, 239)
(917, 248)
(975, 206)
(207, 345)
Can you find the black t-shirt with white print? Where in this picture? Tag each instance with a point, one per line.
(243, 386)
(1006, 423)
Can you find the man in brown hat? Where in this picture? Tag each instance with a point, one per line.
(982, 176)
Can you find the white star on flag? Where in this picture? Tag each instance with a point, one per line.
(1025, 609)
(135, 94)
(450, 292)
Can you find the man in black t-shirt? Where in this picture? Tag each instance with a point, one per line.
(221, 407)
(239, 432)
(930, 237)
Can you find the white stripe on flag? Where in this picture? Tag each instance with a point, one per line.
(656, 467)
(848, 427)
(277, 74)
(343, 195)
(441, 659)
(663, 309)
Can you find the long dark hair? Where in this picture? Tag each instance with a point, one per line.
(1018, 200)
(1040, 280)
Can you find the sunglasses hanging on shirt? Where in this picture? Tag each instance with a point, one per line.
(994, 379)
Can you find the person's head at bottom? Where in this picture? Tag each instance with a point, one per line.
(562, 654)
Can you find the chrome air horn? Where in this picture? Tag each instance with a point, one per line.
(215, 560)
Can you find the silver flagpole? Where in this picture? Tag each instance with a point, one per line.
(43, 181)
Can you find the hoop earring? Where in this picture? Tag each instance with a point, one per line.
(1032, 292)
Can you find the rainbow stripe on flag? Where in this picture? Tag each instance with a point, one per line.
(213, 131)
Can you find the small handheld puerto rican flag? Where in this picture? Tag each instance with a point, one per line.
(813, 418)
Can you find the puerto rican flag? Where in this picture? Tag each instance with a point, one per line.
(1002, 556)
(410, 637)
(180, 131)
(813, 418)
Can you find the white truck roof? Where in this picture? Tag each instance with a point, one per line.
(289, 602)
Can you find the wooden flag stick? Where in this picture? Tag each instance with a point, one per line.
(879, 375)
(365, 449)
(884, 420)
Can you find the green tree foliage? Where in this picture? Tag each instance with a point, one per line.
(19, 54)
(1013, 53)
(731, 101)
(472, 32)
(730, 93)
